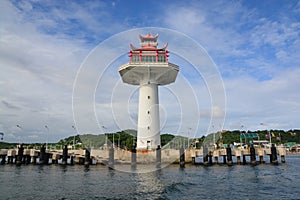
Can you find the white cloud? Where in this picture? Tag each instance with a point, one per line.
(41, 49)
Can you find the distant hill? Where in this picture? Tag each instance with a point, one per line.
(6, 145)
(125, 139)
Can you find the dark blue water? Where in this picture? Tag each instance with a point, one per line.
(194, 182)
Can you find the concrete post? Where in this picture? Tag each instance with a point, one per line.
(238, 158)
(274, 155)
(133, 157)
(182, 157)
(216, 160)
(158, 156)
(33, 159)
(10, 160)
(72, 159)
(28, 159)
(282, 159)
(205, 155)
(47, 156)
(224, 159)
(216, 156)
(252, 155)
(42, 155)
(3, 159)
(20, 155)
(87, 157)
(229, 155)
(210, 162)
(65, 155)
(244, 160)
(111, 161)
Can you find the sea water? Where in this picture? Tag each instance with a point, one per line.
(265, 181)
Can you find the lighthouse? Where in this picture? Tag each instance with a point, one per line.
(148, 68)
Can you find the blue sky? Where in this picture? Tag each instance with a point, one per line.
(254, 44)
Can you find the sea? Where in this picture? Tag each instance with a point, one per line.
(265, 181)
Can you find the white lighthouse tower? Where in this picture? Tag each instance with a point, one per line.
(148, 67)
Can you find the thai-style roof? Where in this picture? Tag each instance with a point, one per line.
(148, 43)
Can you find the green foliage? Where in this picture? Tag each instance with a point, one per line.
(125, 139)
(166, 138)
(229, 137)
(5, 145)
(277, 136)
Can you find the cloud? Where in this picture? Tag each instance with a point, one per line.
(42, 45)
(10, 106)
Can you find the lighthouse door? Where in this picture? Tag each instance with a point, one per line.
(148, 144)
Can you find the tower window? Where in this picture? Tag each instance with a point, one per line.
(148, 97)
(148, 127)
(148, 112)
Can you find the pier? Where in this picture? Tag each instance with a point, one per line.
(162, 157)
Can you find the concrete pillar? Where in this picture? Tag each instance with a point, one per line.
(10, 160)
(72, 159)
(158, 157)
(274, 155)
(54, 158)
(224, 159)
(111, 161)
(33, 161)
(252, 155)
(205, 155)
(238, 158)
(210, 162)
(28, 159)
(282, 153)
(261, 154)
(133, 156)
(261, 159)
(244, 160)
(87, 157)
(216, 160)
(3, 159)
(46, 159)
(182, 157)
(65, 155)
(20, 155)
(42, 155)
(282, 159)
(229, 155)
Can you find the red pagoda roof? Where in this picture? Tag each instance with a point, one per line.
(149, 36)
(148, 43)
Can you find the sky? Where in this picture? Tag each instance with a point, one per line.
(45, 46)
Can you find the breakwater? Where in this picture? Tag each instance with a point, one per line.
(160, 157)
